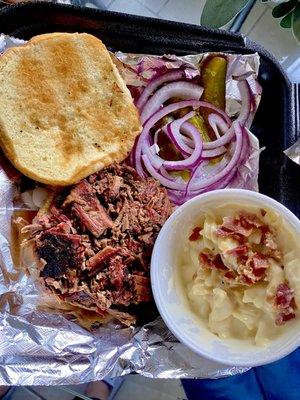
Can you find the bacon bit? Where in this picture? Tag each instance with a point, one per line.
(223, 232)
(246, 280)
(250, 220)
(260, 262)
(218, 262)
(230, 275)
(211, 261)
(254, 269)
(285, 301)
(282, 318)
(237, 225)
(238, 251)
(195, 235)
(242, 225)
(284, 295)
(288, 317)
(259, 272)
(263, 212)
(203, 258)
(269, 240)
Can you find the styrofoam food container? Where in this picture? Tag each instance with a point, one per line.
(170, 296)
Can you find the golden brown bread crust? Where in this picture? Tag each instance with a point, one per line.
(65, 111)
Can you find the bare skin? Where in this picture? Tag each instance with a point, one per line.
(3, 390)
(98, 390)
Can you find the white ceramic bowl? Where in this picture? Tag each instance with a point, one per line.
(171, 299)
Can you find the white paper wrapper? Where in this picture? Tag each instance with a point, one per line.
(39, 347)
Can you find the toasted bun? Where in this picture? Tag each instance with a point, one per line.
(65, 111)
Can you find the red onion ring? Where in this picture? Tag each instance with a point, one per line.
(216, 121)
(164, 181)
(187, 127)
(218, 151)
(181, 89)
(245, 94)
(172, 130)
(179, 198)
(173, 75)
(239, 133)
(143, 140)
(203, 183)
(190, 162)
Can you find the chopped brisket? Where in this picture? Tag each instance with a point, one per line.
(60, 251)
(88, 209)
(98, 260)
(142, 287)
(80, 297)
(95, 243)
(83, 194)
(95, 221)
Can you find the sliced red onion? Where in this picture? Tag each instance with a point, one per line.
(245, 94)
(187, 128)
(231, 165)
(215, 121)
(184, 145)
(155, 159)
(165, 174)
(181, 89)
(173, 75)
(131, 156)
(218, 151)
(167, 182)
(172, 130)
(190, 162)
(179, 198)
(206, 169)
(201, 183)
(255, 87)
(246, 146)
(143, 141)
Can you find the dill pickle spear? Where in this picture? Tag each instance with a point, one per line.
(198, 121)
(213, 80)
(213, 76)
(185, 174)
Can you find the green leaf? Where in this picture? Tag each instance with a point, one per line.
(286, 21)
(217, 13)
(296, 22)
(283, 8)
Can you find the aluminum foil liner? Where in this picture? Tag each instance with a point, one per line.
(43, 347)
(293, 152)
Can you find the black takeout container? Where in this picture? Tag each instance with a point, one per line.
(276, 123)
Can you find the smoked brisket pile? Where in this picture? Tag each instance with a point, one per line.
(95, 240)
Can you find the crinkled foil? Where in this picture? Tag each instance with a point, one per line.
(39, 347)
(293, 152)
